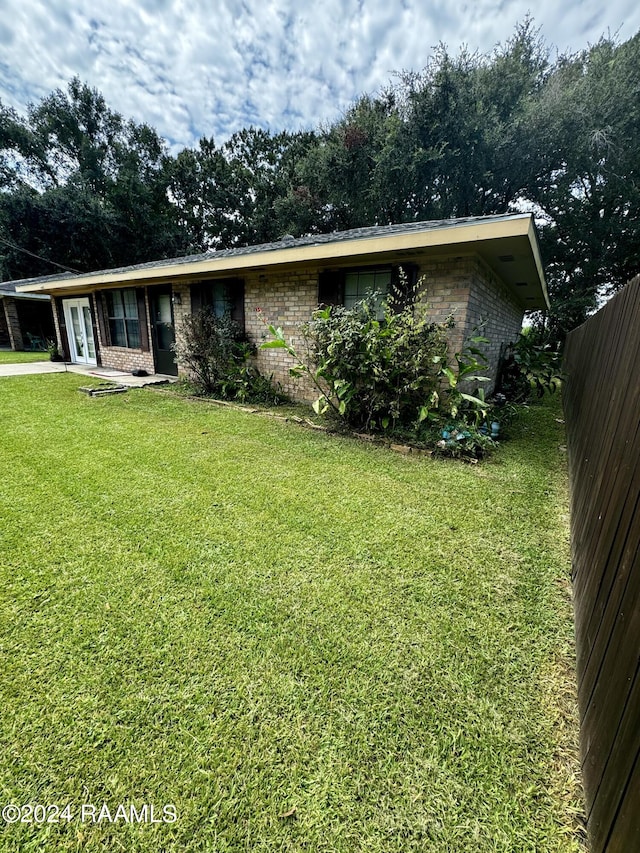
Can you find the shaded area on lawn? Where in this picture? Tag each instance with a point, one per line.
(8, 356)
(240, 617)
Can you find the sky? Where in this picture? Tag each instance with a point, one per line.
(193, 68)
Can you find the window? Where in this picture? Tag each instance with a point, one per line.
(348, 286)
(221, 296)
(362, 283)
(124, 325)
(217, 297)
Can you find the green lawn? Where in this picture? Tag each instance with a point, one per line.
(11, 357)
(242, 618)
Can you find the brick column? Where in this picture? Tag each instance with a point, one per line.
(13, 323)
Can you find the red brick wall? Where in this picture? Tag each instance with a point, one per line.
(286, 299)
(466, 289)
(181, 307)
(124, 358)
(459, 286)
(496, 312)
(444, 285)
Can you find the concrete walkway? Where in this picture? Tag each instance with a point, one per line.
(105, 374)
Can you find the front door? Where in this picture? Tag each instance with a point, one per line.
(163, 331)
(82, 347)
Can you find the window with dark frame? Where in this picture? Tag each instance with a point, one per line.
(222, 297)
(348, 286)
(359, 284)
(217, 297)
(122, 313)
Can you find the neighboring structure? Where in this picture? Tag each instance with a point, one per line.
(484, 270)
(26, 319)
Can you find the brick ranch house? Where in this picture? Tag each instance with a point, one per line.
(483, 270)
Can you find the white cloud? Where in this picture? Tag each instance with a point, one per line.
(191, 70)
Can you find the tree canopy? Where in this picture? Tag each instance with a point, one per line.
(469, 134)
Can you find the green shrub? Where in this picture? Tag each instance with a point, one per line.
(390, 374)
(246, 384)
(528, 366)
(376, 374)
(219, 360)
(469, 408)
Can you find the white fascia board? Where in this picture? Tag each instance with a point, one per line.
(451, 235)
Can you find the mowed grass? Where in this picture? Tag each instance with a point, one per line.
(302, 642)
(11, 357)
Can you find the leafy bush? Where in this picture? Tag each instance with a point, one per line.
(375, 374)
(246, 384)
(471, 409)
(391, 374)
(218, 359)
(527, 366)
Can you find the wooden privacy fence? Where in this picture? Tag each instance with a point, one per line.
(601, 397)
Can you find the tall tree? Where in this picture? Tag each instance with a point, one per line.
(263, 165)
(64, 226)
(588, 186)
(138, 196)
(347, 176)
(201, 187)
(78, 135)
(18, 149)
(96, 192)
(466, 123)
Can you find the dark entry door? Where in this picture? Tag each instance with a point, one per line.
(163, 331)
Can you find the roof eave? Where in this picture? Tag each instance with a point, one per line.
(537, 257)
(451, 235)
(455, 235)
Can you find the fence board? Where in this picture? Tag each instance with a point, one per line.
(625, 831)
(619, 563)
(607, 703)
(626, 748)
(601, 398)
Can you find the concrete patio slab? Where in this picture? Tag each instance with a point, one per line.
(105, 374)
(31, 367)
